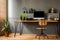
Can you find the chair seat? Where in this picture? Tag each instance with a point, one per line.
(42, 28)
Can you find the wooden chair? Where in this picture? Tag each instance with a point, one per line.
(42, 23)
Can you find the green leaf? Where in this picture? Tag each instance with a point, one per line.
(5, 26)
(3, 29)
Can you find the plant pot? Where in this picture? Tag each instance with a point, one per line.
(22, 18)
(6, 34)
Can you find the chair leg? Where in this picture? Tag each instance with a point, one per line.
(57, 37)
(47, 36)
(36, 36)
(39, 37)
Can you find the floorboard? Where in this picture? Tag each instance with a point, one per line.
(29, 37)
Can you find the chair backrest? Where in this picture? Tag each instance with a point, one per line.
(42, 22)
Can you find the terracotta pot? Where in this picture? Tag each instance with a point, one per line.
(6, 34)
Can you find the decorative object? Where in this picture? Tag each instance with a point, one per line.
(53, 16)
(52, 10)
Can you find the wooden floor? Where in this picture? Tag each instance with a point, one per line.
(28, 37)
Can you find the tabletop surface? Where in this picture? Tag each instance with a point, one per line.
(35, 20)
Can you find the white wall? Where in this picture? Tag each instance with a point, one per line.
(12, 12)
(13, 8)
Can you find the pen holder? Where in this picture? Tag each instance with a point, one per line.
(22, 18)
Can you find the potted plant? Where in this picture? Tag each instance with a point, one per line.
(22, 16)
(5, 28)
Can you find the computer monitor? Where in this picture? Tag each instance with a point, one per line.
(39, 15)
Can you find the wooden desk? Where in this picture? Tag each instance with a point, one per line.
(34, 20)
(20, 21)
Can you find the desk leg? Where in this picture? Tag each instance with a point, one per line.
(57, 31)
(21, 28)
(16, 25)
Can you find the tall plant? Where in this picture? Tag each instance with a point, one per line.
(5, 26)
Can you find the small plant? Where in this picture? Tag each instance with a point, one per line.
(22, 16)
